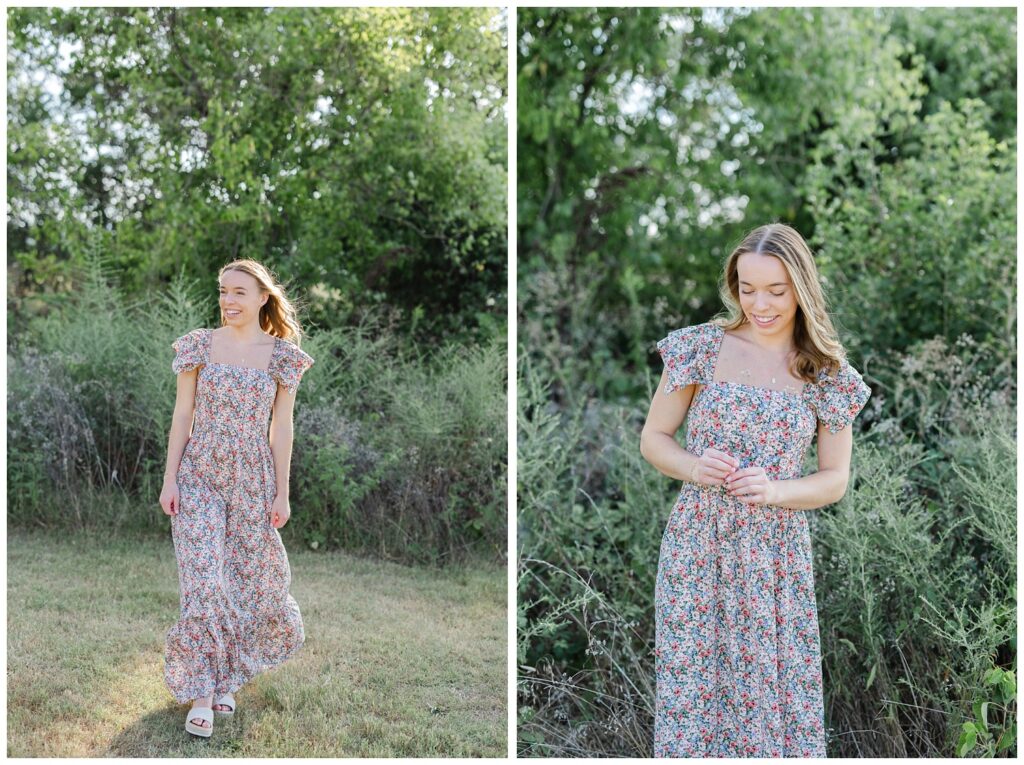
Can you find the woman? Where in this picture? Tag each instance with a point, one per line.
(737, 653)
(226, 490)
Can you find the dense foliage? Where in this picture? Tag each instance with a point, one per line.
(649, 142)
(358, 151)
(397, 454)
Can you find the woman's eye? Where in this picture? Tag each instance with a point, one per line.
(776, 294)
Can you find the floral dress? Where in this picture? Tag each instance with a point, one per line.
(237, 617)
(737, 652)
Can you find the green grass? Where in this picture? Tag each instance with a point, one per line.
(397, 661)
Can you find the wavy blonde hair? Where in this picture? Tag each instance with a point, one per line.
(814, 336)
(278, 315)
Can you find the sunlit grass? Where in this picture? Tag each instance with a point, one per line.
(398, 661)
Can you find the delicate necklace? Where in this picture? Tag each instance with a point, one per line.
(245, 352)
(749, 374)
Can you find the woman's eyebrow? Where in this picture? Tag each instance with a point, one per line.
(773, 284)
(234, 288)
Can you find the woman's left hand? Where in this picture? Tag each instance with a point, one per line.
(280, 512)
(751, 485)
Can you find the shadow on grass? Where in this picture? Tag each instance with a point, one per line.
(398, 661)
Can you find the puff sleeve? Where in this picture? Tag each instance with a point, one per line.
(839, 398)
(190, 351)
(289, 365)
(689, 356)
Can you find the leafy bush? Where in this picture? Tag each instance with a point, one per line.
(397, 453)
(914, 568)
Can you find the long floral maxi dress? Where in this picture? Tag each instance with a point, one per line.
(237, 617)
(737, 651)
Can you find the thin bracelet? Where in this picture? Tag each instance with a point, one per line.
(693, 471)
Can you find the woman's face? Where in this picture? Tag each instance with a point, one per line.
(240, 298)
(766, 293)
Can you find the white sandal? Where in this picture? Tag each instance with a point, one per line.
(203, 713)
(226, 700)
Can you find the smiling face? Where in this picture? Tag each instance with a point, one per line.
(766, 292)
(240, 298)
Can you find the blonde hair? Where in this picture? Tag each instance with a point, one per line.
(278, 315)
(816, 341)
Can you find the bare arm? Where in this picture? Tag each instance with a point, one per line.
(181, 422)
(281, 438)
(181, 431)
(826, 486)
(659, 447)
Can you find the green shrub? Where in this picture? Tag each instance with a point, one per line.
(914, 567)
(397, 452)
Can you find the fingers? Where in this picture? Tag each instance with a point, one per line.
(724, 457)
(716, 465)
(720, 465)
(736, 481)
(737, 484)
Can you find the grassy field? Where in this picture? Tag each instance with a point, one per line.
(397, 661)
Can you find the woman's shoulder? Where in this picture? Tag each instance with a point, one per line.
(287, 350)
(289, 363)
(839, 372)
(839, 394)
(704, 331)
(195, 337)
(689, 354)
(191, 350)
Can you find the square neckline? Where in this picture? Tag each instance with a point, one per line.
(801, 394)
(209, 351)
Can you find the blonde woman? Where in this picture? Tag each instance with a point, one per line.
(737, 651)
(226, 491)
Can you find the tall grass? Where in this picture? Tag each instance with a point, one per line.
(914, 568)
(398, 452)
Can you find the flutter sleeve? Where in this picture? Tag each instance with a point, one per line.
(290, 364)
(689, 356)
(840, 397)
(190, 351)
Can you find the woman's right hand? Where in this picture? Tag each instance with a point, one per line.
(714, 466)
(170, 498)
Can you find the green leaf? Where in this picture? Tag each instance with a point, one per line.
(994, 676)
(1006, 740)
(981, 714)
(871, 677)
(850, 644)
(1008, 688)
(968, 741)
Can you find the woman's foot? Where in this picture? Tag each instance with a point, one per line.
(205, 702)
(225, 704)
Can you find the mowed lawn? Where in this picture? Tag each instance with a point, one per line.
(398, 661)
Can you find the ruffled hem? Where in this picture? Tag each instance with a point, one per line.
(191, 351)
(688, 355)
(214, 654)
(840, 397)
(289, 365)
